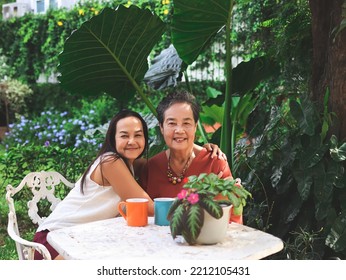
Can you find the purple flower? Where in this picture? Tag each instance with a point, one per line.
(46, 144)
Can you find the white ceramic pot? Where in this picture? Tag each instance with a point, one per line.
(214, 230)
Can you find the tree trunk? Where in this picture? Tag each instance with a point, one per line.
(329, 60)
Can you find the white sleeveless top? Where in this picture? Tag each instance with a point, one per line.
(97, 203)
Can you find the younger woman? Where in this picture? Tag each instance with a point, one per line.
(107, 181)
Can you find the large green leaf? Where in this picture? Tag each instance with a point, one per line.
(211, 114)
(176, 220)
(212, 207)
(314, 153)
(304, 180)
(109, 52)
(245, 107)
(304, 115)
(292, 208)
(212, 92)
(337, 236)
(194, 219)
(247, 75)
(323, 192)
(336, 175)
(195, 23)
(337, 153)
(173, 207)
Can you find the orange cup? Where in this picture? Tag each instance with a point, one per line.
(136, 213)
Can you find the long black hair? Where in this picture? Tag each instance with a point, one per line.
(109, 144)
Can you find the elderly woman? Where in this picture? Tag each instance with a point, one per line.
(178, 114)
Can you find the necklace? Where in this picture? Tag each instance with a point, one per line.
(177, 179)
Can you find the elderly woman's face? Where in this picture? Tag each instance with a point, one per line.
(179, 127)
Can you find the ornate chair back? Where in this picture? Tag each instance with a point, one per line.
(43, 187)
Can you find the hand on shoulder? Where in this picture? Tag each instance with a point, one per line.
(215, 151)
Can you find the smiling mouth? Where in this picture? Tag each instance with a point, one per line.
(179, 140)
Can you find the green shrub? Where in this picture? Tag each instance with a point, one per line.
(294, 169)
(18, 161)
(45, 97)
(38, 38)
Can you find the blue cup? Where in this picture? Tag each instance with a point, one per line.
(161, 208)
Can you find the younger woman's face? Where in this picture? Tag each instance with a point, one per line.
(129, 138)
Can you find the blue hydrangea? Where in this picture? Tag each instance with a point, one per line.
(52, 127)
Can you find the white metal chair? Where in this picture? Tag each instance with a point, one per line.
(44, 186)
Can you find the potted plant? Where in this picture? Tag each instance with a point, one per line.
(196, 204)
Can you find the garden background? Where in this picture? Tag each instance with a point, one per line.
(286, 98)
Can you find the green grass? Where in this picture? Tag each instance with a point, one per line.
(7, 245)
(7, 248)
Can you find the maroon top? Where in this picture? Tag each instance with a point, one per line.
(155, 182)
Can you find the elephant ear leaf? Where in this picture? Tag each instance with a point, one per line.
(108, 53)
(195, 23)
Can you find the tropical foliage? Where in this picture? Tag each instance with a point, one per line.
(116, 63)
(305, 121)
(283, 146)
(301, 177)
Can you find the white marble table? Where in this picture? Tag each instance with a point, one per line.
(113, 239)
